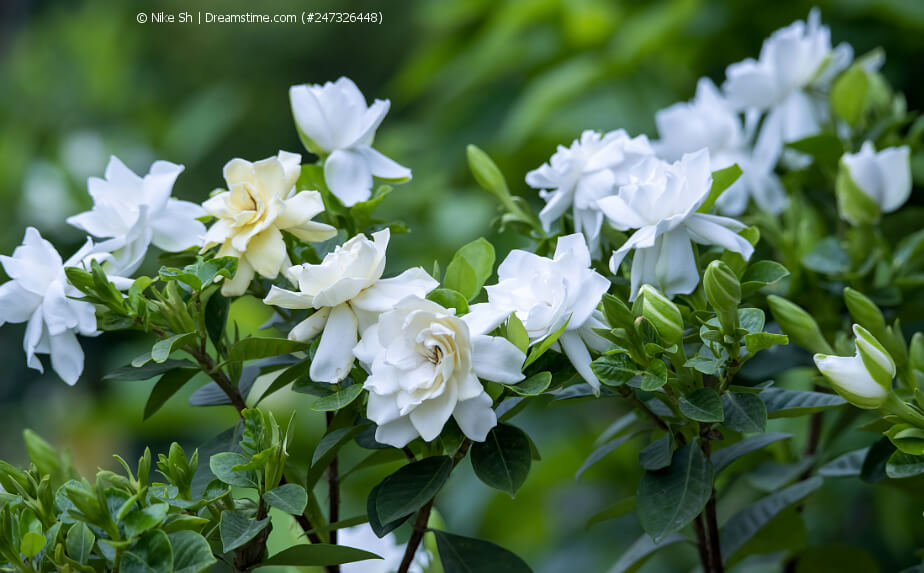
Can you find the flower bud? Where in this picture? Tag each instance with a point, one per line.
(917, 351)
(870, 183)
(486, 172)
(723, 290)
(876, 358)
(798, 324)
(864, 311)
(661, 312)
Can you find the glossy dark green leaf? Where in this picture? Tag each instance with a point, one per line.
(657, 455)
(844, 465)
(546, 343)
(408, 489)
(601, 452)
(216, 316)
(703, 405)
(744, 412)
(902, 465)
(237, 529)
(721, 459)
(502, 461)
(221, 464)
(467, 555)
(163, 348)
(618, 509)
(141, 520)
(152, 553)
(381, 529)
(337, 400)
(79, 542)
(668, 499)
(643, 548)
(746, 523)
(168, 385)
(255, 347)
(655, 376)
(149, 370)
(757, 341)
(317, 555)
(191, 552)
(290, 498)
(614, 369)
(783, 403)
(532, 386)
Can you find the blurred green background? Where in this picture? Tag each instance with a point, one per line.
(80, 80)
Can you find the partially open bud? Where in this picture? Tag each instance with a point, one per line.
(799, 325)
(864, 379)
(723, 291)
(863, 310)
(917, 351)
(870, 183)
(661, 312)
(876, 358)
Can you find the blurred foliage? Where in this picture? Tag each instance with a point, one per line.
(80, 80)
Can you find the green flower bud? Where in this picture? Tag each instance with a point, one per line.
(917, 351)
(799, 325)
(661, 312)
(876, 358)
(853, 205)
(723, 291)
(487, 173)
(864, 311)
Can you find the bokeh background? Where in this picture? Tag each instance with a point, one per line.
(80, 80)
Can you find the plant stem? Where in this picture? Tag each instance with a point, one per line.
(207, 364)
(702, 544)
(333, 481)
(715, 547)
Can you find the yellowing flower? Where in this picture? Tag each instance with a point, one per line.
(260, 203)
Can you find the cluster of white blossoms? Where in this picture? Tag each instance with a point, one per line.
(657, 188)
(426, 363)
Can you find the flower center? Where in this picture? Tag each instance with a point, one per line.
(434, 354)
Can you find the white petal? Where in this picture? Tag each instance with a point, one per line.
(348, 176)
(66, 356)
(266, 252)
(896, 174)
(238, 285)
(383, 167)
(431, 415)
(577, 353)
(334, 357)
(371, 119)
(475, 417)
(56, 310)
(558, 203)
(288, 299)
(715, 230)
(484, 317)
(16, 303)
(299, 209)
(176, 228)
(497, 359)
(676, 265)
(385, 293)
(398, 433)
(310, 117)
(310, 327)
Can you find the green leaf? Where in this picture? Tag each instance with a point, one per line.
(317, 555)
(79, 542)
(849, 94)
(757, 341)
(502, 461)
(237, 529)
(327, 448)
(618, 509)
(149, 370)
(657, 455)
(614, 369)
(746, 523)
(141, 520)
(783, 403)
(470, 267)
(752, 319)
(255, 347)
(669, 499)
(902, 465)
(290, 498)
(150, 554)
(408, 489)
(761, 274)
(162, 348)
(31, 543)
(532, 386)
(655, 376)
(381, 529)
(825, 147)
(721, 459)
(744, 412)
(467, 555)
(191, 552)
(337, 400)
(703, 405)
(643, 548)
(221, 465)
(601, 452)
(169, 384)
(449, 298)
(290, 374)
(845, 465)
(201, 273)
(216, 317)
(828, 257)
(517, 333)
(721, 180)
(546, 343)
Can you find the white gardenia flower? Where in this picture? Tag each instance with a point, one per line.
(424, 365)
(709, 122)
(544, 293)
(575, 177)
(38, 293)
(336, 124)
(884, 176)
(795, 64)
(348, 293)
(260, 203)
(864, 379)
(392, 552)
(133, 212)
(662, 206)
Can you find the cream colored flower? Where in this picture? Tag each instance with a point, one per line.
(261, 201)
